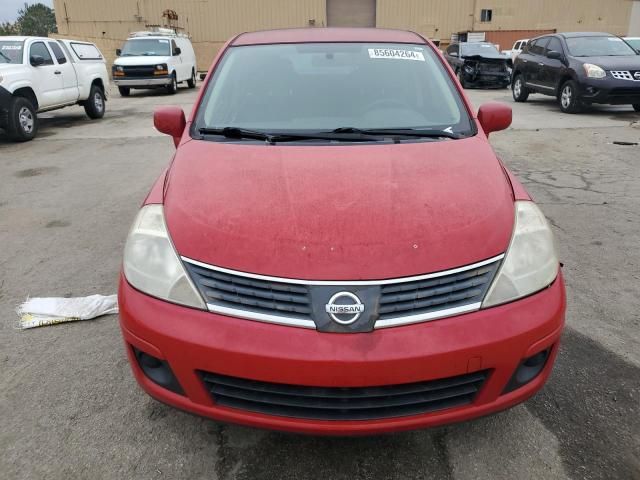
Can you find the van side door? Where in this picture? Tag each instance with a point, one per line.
(69, 76)
(178, 61)
(46, 74)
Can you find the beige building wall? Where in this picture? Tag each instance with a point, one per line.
(209, 22)
(439, 19)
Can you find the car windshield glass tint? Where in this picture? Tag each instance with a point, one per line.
(146, 46)
(469, 49)
(634, 42)
(323, 86)
(598, 47)
(11, 51)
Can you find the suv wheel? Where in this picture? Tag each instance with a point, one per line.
(568, 98)
(94, 105)
(519, 90)
(22, 120)
(124, 91)
(172, 88)
(636, 107)
(191, 83)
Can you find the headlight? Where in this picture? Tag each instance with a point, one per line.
(594, 71)
(531, 262)
(151, 264)
(161, 67)
(119, 68)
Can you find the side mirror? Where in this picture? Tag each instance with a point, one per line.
(494, 116)
(554, 55)
(177, 51)
(170, 120)
(36, 60)
(118, 52)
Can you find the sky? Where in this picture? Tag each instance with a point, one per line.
(9, 8)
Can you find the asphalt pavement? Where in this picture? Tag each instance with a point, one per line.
(70, 407)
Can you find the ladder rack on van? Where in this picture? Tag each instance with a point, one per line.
(158, 32)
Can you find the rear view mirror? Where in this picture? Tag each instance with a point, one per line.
(118, 52)
(36, 60)
(177, 51)
(554, 55)
(170, 120)
(494, 116)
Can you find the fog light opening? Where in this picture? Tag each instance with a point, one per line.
(528, 369)
(158, 371)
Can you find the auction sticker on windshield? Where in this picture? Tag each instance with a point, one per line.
(395, 53)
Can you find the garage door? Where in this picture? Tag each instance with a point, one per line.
(351, 13)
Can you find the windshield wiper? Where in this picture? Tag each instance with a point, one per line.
(398, 132)
(272, 138)
(8, 59)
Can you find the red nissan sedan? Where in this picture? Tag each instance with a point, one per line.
(335, 247)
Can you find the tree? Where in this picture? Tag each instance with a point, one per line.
(37, 20)
(7, 28)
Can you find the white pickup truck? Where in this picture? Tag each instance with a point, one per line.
(41, 74)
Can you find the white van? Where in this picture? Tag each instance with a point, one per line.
(156, 59)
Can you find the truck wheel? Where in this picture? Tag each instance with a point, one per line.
(568, 98)
(636, 107)
(94, 105)
(23, 120)
(191, 83)
(519, 90)
(172, 88)
(124, 91)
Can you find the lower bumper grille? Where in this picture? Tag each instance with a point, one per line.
(348, 403)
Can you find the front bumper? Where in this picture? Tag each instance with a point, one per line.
(142, 82)
(487, 80)
(610, 91)
(494, 340)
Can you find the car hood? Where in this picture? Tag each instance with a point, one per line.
(622, 62)
(339, 212)
(141, 60)
(9, 68)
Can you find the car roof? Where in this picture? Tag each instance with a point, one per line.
(22, 38)
(585, 34)
(329, 34)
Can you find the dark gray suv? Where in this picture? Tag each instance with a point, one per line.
(578, 69)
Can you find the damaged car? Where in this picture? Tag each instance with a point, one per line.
(479, 64)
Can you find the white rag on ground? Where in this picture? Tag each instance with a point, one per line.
(38, 312)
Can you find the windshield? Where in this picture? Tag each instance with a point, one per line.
(634, 42)
(469, 49)
(11, 51)
(146, 46)
(316, 87)
(598, 47)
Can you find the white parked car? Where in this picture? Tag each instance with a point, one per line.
(516, 49)
(39, 74)
(158, 59)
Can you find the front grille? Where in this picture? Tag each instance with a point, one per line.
(625, 75)
(303, 303)
(343, 403)
(146, 71)
(424, 296)
(492, 67)
(249, 294)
